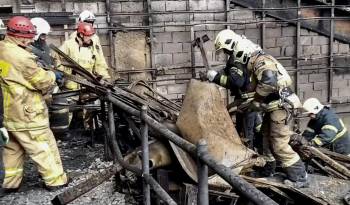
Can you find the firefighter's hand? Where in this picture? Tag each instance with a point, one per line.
(4, 136)
(59, 75)
(211, 75)
(255, 106)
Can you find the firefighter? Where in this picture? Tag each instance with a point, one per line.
(4, 136)
(270, 82)
(39, 46)
(23, 85)
(325, 128)
(86, 53)
(236, 80)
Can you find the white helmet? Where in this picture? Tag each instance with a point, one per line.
(312, 105)
(2, 27)
(242, 47)
(41, 25)
(87, 16)
(226, 39)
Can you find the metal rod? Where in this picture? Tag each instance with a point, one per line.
(298, 54)
(145, 157)
(263, 27)
(243, 187)
(202, 172)
(331, 60)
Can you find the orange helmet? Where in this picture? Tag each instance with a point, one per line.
(20, 26)
(86, 29)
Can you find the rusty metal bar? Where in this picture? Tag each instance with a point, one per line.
(202, 172)
(331, 59)
(145, 157)
(243, 187)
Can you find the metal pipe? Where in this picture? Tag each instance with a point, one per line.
(159, 190)
(145, 157)
(331, 60)
(202, 172)
(243, 187)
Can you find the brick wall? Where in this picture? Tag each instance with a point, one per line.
(172, 45)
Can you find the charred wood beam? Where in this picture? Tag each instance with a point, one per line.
(76, 191)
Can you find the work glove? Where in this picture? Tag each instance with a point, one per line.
(4, 136)
(256, 106)
(59, 75)
(211, 75)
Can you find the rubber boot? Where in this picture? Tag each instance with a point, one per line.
(296, 174)
(269, 169)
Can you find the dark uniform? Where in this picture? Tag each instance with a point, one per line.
(328, 130)
(234, 78)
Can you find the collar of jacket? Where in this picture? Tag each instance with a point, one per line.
(15, 41)
(322, 112)
(81, 43)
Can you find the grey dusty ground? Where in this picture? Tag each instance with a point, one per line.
(79, 161)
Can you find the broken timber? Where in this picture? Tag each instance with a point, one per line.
(82, 188)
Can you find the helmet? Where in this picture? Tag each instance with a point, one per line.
(241, 47)
(312, 106)
(86, 29)
(244, 49)
(41, 25)
(20, 26)
(226, 39)
(87, 16)
(2, 27)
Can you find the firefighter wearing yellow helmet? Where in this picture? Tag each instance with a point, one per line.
(23, 84)
(271, 84)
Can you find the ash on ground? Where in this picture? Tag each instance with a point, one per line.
(80, 161)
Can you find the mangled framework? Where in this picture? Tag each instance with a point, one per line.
(136, 106)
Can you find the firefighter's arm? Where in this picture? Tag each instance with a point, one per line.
(309, 132)
(101, 67)
(39, 78)
(58, 60)
(327, 134)
(266, 75)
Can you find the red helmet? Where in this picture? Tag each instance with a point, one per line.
(86, 29)
(20, 26)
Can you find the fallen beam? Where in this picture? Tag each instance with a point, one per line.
(76, 191)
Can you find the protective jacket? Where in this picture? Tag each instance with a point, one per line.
(327, 129)
(89, 57)
(23, 84)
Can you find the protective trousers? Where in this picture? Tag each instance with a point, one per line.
(276, 136)
(41, 147)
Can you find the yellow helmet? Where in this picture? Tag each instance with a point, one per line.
(312, 106)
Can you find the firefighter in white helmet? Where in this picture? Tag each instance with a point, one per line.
(24, 83)
(39, 46)
(273, 96)
(325, 128)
